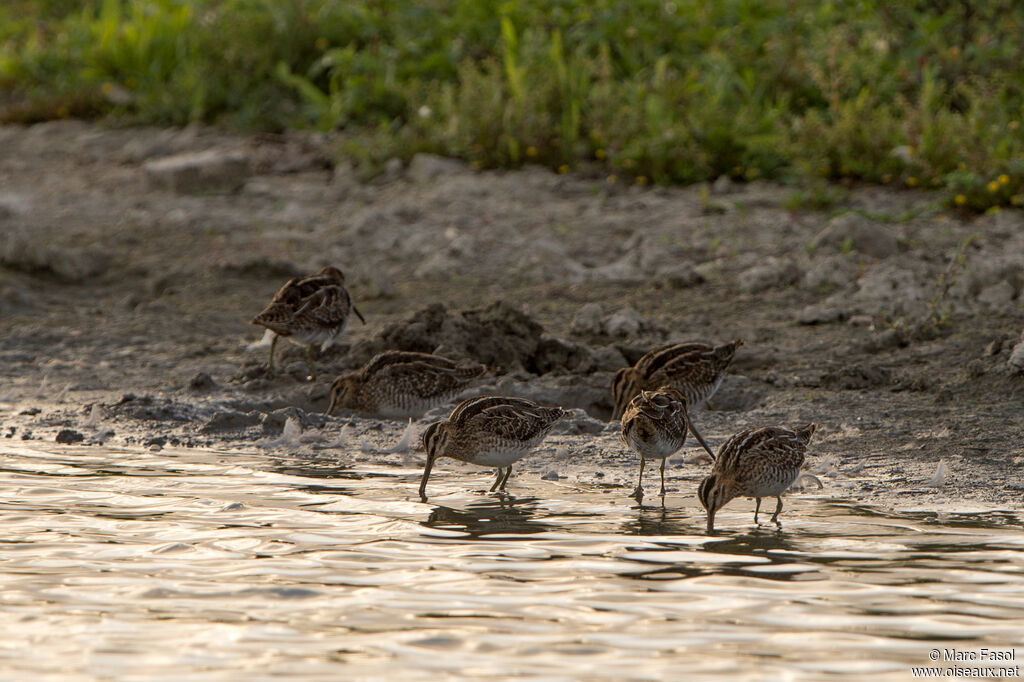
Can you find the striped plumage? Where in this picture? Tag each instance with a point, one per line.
(402, 384)
(494, 431)
(654, 425)
(761, 462)
(309, 311)
(694, 369)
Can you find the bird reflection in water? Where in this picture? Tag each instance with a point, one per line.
(507, 515)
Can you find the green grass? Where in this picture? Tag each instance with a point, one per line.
(925, 93)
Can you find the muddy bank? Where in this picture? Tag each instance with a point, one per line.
(131, 261)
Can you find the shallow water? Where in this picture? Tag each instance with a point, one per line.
(239, 565)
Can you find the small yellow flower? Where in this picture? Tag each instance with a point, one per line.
(600, 154)
(531, 151)
(107, 88)
(960, 200)
(627, 163)
(911, 181)
(993, 187)
(887, 178)
(961, 166)
(612, 179)
(641, 180)
(1004, 179)
(321, 44)
(563, 169)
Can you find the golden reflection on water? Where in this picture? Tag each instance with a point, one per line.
(236, 565)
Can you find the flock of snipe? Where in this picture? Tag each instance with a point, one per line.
(653, 399)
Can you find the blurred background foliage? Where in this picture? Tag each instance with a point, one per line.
(921, 93)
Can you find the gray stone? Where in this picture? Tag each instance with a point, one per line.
(819, 313)
(201, 382)
(550, 476)
(30, 253)
(830, 273)
(888, 290)
(680, 276)
(230, 420)
(607, 359)
(723, 184)
(1017, 356)
(626, 322)
(426, 167)
(12, 205)
(997, 296)
(273, 422)
(859, 233)
(589, 319)
(210, 171)
(771, 272)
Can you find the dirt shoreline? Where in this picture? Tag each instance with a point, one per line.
(128, 276)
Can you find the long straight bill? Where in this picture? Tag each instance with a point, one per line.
(426, 475)
(700, 439)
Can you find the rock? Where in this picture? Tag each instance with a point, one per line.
(69, 436)
(819, 313)
(723, 184)
(997, 296)
(28, 252)
(555, 354)
(273, 422)
(588, 320)
(770, 273)
(887, 340)
(679, 276)
(230, 420)
(607, 359)
(344, 181)
(201, 382)
(550, 476)
(830, 273)
(889, 290)
(12, 205)
(856, 377)
(393, 169)
(858, 233)
(498, 336)
(426, 167)
(625, 323)
(576, 423)
(210, 171)
(14, 300)
(737, 394)
(1017, 356)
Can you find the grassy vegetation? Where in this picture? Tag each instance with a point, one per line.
(924, 93)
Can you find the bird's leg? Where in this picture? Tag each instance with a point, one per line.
(663, 479)
(757, 509)
(270, 362)
(778, 508)
(508, 472)
(638, 492)
(497, 480)
(310, 363)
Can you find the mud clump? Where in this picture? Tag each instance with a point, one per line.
(499, 336)
(69, 437)
(857, 377)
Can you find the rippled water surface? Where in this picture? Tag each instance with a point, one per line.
(217, 565)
